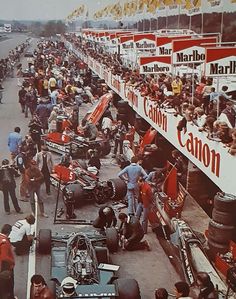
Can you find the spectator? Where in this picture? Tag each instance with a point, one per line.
(161, 293)
(22, 162)
(206, 96)
(7, 263)
(119, 136)
(45, 164)
(224, 133)
(39, 288)
(228, 115)
(199, 117)
(14, 141)
(132, 233)
(131, 174)
(106, 218)
(182, 290)
(34, 179)
(8, 186)
(145, 200)
(22, 235)
(177, 86)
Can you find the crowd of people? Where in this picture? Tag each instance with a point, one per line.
(56, 83)
(192, 97)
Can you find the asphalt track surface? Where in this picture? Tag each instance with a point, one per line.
(151, 269)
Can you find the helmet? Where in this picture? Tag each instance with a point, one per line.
(68, 285)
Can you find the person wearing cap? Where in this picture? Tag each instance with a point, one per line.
(22, 234)
(34, 179)
(106, 218)
(68, 286)
(8, 186)
(45, 164)
(39, 288)
(7, 263)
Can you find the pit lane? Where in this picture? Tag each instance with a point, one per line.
(151, 269)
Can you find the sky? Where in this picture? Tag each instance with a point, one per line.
(45, 9)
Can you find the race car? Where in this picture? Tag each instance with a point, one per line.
(77, 146)
(80, 265)
(78, 184)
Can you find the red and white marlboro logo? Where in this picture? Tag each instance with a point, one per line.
(126, 42)
(220, 62)
(191, 50)
(164, 44)
(155, 65)
(144, 41)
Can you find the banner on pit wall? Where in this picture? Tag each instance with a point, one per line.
(155, 64)
(126, 42)
(185, 51)
(145, 41)
(220, 62)
(164, 44)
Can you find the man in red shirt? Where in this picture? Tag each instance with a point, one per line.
(145, 200)
(7, 263)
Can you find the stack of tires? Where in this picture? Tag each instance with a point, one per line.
(222, 226)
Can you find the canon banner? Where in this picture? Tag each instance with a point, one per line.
(155, 64)
(220, 62)
(191, 50)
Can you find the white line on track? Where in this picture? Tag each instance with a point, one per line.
(32, 253)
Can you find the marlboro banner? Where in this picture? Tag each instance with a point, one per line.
(155, 64)
(144, 41)
(164, 44)
(126, 42)
(220, 62)
(191, 50)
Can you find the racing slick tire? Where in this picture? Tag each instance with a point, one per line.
(112, 239)
(78, 193)
(225, 202)
(220, 233)
(119, 188)
(45, 241)
(102, 255)
(127, 288)
(223, 217)
(215, 248)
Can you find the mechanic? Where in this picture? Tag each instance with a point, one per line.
(45, 164)
(106, 218)
(7, 263)
(34, 179)
(14, 141)
(90, 130)
(131, 174)
(182, 290)
(132, 233)
(8, 186)
(94, 163)
(22, 235)
(119, 136)
(145, 200)
(39, 288)
(68, 286)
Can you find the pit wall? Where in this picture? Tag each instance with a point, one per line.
(209, 156)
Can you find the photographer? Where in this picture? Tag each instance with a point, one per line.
(8, 186)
